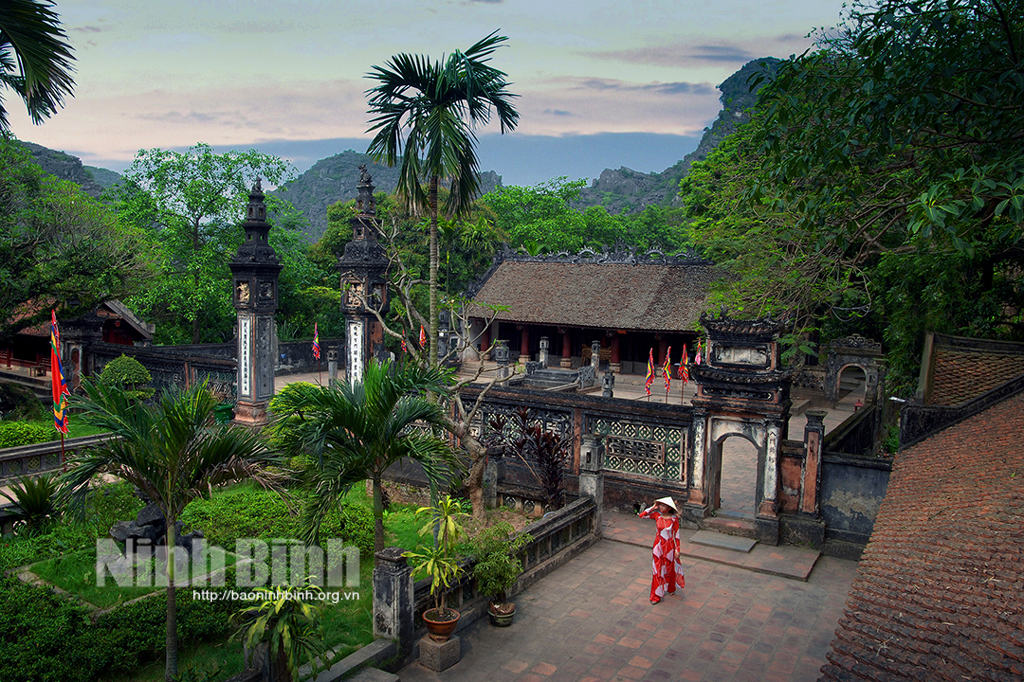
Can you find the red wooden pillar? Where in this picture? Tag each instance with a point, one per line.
(662, 349)
(485, 342)
(566, 348)
(615, 363)
(524, 345)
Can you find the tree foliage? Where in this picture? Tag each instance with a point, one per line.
(879, 184)
(58, 246)
(436, 104)
(191, 203)
(36, 62)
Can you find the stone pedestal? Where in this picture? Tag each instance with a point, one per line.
(591, 480)
(438, 656)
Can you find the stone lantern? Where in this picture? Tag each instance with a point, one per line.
(255, 269)
(363, 283)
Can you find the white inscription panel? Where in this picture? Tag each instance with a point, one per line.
(245, 356)
(355, 351)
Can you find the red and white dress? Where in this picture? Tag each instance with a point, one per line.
(668, 572)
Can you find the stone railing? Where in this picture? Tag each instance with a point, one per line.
(398, 603)
(31, 460)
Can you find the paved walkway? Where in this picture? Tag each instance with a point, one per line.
(591, 621)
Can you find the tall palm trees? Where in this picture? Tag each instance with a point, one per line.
(35, 61)
(174, 452)
(430, 103)
(355, 431)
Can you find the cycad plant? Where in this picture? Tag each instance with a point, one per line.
(34, 503)
(291, 628)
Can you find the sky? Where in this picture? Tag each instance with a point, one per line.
(601, 84)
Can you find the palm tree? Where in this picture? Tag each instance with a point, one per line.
(431, 101)
(355, 431)
(173, 451)
(35, 60)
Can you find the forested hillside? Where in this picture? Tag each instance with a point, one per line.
(334, 179)
(629, 191)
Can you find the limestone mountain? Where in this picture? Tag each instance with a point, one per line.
(334, 179)
(66, 167)
(629, 191)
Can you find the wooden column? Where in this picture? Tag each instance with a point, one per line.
(524, 345)
(566, 349)
(615, 363)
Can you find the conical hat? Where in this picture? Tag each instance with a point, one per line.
(669, 502)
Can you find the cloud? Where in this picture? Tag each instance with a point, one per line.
(558, 112)
(87, 29)
(678, 88)
(676, 55)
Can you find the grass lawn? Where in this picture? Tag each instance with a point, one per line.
(75, 572)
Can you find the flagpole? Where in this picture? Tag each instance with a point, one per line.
(63, 463)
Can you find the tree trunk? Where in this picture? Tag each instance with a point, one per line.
(432, 331)
(378, 518)
(171, 660)
(478, 460)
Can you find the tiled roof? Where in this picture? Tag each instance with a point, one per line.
(606, 296)
(940, 588)
(963, 368)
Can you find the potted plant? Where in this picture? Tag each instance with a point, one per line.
(439, 563)
(498, 567)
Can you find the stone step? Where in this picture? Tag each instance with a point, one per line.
(711, 538)
(373, 675)
(730, 525)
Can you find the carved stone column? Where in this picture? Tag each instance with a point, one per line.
(542, 356)
(698, 488)
(595, 356)
(591, 479)
(814, 440)
(393, 599)
(766, 524)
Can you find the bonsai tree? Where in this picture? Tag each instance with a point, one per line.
(291, 628)
(497, 563)
(439, 561)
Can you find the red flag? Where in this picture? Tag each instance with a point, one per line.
(667, 369)
(404, 349)
(316, 341)
(58, 384)
(423, 337)
(684, 373)
(696, 359)
(650, 371)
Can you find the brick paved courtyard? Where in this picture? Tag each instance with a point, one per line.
(591, 621)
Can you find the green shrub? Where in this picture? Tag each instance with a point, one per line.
(44, 636)
(129, 374)
(16, 434)
(240, 513)
(110, 503)
(352, 523)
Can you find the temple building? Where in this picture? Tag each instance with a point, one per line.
(632, 304)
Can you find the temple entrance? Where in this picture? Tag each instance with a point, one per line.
(737, 479)
(852, 384)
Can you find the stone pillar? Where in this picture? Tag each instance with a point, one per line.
(591, 479)
(332, 366)
(814, 441)
(501, 355)
(566, 349)
(698, 493)
(608, 383)
(255, 269)
(595, 356)
(524, 345)
(542, 356)
(393, 600)
(615, 364)
(494, 470)
(766, 523)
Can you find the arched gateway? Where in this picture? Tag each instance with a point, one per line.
(742, 390)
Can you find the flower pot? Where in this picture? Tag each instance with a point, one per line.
(501, 614)
(441, 623)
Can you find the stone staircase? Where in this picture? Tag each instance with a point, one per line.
(552, 377)
(731, 523)
(38, 385)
